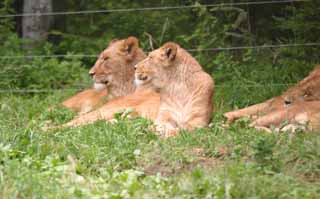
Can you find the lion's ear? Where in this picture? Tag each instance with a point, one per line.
(307, 92)
(170, 50)
(130, 45)
(112, 41)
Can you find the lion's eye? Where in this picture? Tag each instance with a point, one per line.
(105, 58)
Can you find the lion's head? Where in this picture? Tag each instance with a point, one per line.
(307, 89)
(114, 67)
(165, 65)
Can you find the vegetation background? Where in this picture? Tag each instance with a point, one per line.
(124, 160)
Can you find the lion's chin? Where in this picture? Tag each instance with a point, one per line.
(138, 82)
(99, 86)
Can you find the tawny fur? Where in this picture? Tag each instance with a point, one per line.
(300, 113)
(186, 91)
(144, 102)
(115, 69)
(86, 100)
(307, 89)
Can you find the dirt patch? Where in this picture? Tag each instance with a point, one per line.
(156, 163)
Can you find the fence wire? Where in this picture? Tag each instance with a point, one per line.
(79, 89)
(149, 8)
(190, 50)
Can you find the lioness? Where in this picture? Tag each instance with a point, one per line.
(305, 114)
(113, 73)
(143, 102)
(186, 91)
(86, 100)
(307, 89)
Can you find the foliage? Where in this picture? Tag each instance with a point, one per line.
(126, 160)
(38, 72)
(6, 24)
(196, 28)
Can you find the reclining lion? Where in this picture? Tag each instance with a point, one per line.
(113, 73)
(120, 80)
(306, 90)
(299, 105)
(304, 114)
(143, 102)
(86, 100)
(186, 91)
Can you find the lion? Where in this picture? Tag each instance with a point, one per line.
(86, 100)
(307, 89)
(304, 114)
(113, 74)
(186, 91)
(144, 102)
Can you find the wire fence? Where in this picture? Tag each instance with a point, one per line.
(82, 88)
(149, 8)
(222, 5)
(190, 50)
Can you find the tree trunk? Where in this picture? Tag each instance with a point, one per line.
(35, 28)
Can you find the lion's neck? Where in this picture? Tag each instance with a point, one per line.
(145, 88)
(124, 83)
(182, 80)
(123, 86)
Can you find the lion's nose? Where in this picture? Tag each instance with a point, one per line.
(287, 101)
(91, 73)
(142, 77)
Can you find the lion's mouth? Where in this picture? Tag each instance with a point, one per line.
(142, 77)
(141, 80)
(106, 82)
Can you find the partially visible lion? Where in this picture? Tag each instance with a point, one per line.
(307, 89)
(186, 91)
(86, 100)
(304, 114)
(143, 102)
(113, 74)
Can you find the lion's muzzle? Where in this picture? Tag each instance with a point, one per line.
(142, 77)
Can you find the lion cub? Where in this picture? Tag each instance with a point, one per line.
(186, 91)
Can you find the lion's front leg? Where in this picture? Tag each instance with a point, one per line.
(165, 125)
(247, 112)
(85, 119)
(273, 118)
(166, 130)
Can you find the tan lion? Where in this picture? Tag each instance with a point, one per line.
(113, 74)
(304, 114)
(307, 89)
(86, 100)
(143, 102)
(186, 91)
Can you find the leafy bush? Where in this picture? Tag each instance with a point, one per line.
(38, 72)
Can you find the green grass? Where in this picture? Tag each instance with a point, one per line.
(126, 160)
